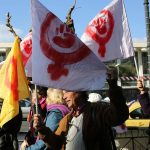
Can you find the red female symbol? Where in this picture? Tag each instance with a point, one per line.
(26, 48)
(104, 25)
(63, 39)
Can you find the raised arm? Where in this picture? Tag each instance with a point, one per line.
(118, 111)
(143, 98)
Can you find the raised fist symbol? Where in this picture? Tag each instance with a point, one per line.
(100, 25)
(104, 25)
(64, 38)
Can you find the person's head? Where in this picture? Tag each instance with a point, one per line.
(41, 93)
(75, 99)
(54, 96)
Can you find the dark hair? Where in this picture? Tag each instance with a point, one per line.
(83, 94)
(42, 91)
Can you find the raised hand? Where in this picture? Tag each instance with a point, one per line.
(37, 121)
(64, 37)
(140, 86)
(112, 76)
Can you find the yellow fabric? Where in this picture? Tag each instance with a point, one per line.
(13, 83)
(134, 106)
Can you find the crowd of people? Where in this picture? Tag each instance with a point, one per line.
(84, 125)
(72, 120)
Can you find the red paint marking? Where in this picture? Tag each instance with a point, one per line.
(56, 71)
(65, 42)
(104, 28)
(27, 50)
(60, 59)
(12, 83)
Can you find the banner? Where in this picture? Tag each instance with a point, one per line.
(26, 50)
(108, 34)
(62, 59)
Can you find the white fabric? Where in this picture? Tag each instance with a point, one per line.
(106, 99)
(94, 97)
(74, 136)
(62, 64)
(119, 44)
(26, 50)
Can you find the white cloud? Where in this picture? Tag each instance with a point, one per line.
(7, 36)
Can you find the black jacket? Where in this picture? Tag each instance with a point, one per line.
(9, 131)
(100, 117)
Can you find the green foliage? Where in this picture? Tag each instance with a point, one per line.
(127, 70)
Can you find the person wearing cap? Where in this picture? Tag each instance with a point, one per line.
(88, 126)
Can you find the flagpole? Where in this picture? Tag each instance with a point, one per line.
(36, 101)
(147, 19)
(136, 67)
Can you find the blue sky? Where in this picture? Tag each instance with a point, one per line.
(85, 10)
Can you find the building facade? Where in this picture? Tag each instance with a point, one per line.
(140, 55)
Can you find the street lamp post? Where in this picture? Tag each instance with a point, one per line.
(147, 19)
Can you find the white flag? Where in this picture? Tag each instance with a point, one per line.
(26, 50)
(59, 58)
(108, 34)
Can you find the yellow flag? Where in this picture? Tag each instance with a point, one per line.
(13, 84)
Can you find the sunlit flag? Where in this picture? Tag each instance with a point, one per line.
(62, 59)
(26, 50)
(13, 86)
(108, 34)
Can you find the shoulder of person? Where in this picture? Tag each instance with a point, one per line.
(64, 124)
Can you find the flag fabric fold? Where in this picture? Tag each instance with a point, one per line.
(108, 34)
(63, 60)
(26, 50)
(13, 85)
